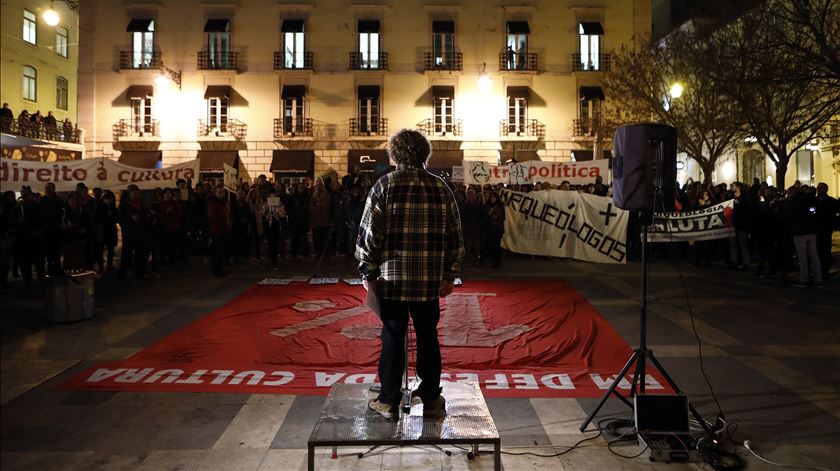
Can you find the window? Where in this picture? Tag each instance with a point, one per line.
(61, 87)
(805, 166)
(443, 98)
(293, 44)
(142, 43)
(293, 109)
(590, 45)
(217, 114)
(369, 44)
(218, 43)
(443, 43)
(517, 44)
(369, 109)
(590, 108)
(517, 109)
(61, 36)
(30, 27)
(141, 115)
(30, 83)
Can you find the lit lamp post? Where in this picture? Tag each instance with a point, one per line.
(676, 90)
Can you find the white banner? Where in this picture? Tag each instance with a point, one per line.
(97, 172)
(231, 182)
(713, 222)
(576, 173)
(567, 224)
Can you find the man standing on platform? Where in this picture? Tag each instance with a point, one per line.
(410, 250)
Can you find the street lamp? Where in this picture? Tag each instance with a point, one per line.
(676, 90)
(51, 16)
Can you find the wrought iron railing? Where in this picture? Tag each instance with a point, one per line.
(373, 127)
(584, 127)
(522, 128)
(587, 64)
(139, 59)
(131, 128)
(218, 60)
(518, 61)
(290, 61)
(297, 127)
(450, 127)
(444, 61)
(359, 61)
(64, 132)
(230, 127)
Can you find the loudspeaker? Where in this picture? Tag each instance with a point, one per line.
(645, 167)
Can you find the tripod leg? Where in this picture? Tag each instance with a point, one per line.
(612, 390)
(676, 389)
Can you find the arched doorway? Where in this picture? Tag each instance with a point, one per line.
(752, 165)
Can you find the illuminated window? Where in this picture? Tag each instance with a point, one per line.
(30, 27)
(217, 113)
(517, 44)
(517, 109)
(293, 97)
(590, 45)
(443, 43)
(369, 44)
(141, 115)
(591, 99)
(142, 43)
(369, 109)
(293, 44)
(61, 36)
(443, 118)
(218, 44)
(30, 83)
(61, 86)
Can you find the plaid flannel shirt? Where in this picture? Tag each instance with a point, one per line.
(410, 235)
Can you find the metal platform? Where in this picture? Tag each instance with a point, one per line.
(346, 421)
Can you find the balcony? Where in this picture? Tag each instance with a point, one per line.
(60, 132)
(518, 61)
(587, 64)
(359, 61)
(526, 128)
(227, 129)
(127, 129)
(286, 61)
(219, 60)
(584, 127)
(292, 128)
(129, 60)
(369, 128)
(434, 61)
(433, 129)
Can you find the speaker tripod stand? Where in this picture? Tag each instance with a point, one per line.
(642, 354)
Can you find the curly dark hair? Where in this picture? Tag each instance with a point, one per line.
(409, 147)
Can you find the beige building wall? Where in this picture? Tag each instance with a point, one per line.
(15, 53)
(331, 87)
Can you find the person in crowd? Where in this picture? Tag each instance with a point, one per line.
(93, 233)
(767, 232)
(742, 219)
(28, 223)
(828, 221)
(600, 188)
(67, 131)
(108, 218)
(50, 126)
(257, 202)
(273, 218)
(134, 224)
(320, 209)
(803, 223)
(6, 118)
(25, 124)
(7, 238)
(495, 224)
(218, 225)
(171, 220)
(338, 200)
(410, 250)
(353, 216)
(299, 220)
(472, 218)
(53, 208)
(76, 227)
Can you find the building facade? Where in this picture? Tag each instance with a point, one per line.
(38, 61)
(316, 87)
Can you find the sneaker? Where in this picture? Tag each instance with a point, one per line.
(799, 285)
(435, 407)
(385, 410)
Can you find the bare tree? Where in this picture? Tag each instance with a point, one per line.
(638, 86)
(751, 61)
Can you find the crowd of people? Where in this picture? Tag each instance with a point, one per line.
(157, 231)
(37, 126)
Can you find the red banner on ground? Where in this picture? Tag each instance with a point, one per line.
(516, 338)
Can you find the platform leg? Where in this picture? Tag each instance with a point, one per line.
(310, 459)
(497, 456)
